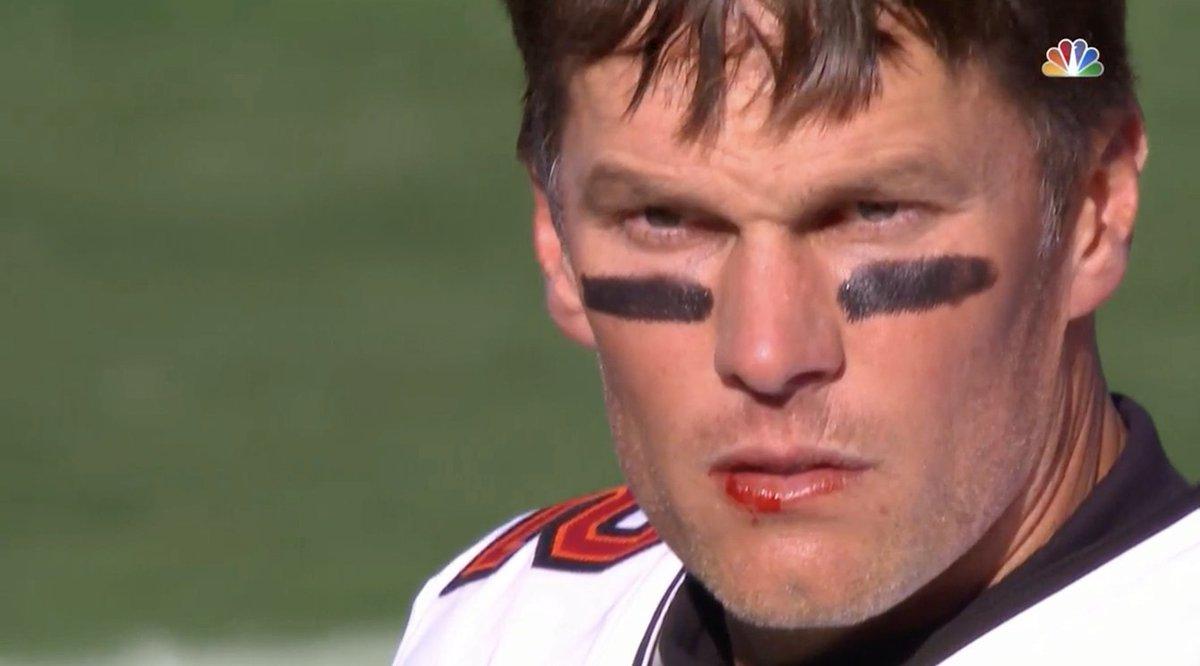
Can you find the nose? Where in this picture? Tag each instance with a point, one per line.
(778, 330)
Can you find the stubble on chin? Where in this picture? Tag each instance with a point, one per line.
(817, 585)
(891, 560)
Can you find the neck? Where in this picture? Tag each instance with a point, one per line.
(1087, 436)
(1086, 440)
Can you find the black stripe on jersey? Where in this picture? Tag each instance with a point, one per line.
(645, 649)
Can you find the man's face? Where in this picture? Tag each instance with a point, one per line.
(827, 356)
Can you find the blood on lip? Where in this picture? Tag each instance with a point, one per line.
(759, 499)
(768, 492)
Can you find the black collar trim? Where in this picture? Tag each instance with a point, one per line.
(642, 658)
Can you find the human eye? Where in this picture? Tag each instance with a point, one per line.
(658, 227)
(876, 218)
(876, 211)
(882, 212)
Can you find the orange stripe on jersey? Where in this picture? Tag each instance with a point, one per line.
(506, 545)
(510, 542)
(580, 539)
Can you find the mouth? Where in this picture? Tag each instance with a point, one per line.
(767, 482)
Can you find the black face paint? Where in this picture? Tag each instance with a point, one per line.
(891, 287)
(655, 298)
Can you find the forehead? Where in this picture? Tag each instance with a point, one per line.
(921, 112)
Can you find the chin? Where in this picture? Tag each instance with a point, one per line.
(798, 605)
(789, 585)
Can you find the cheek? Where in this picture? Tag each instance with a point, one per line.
(655, 378)
(962, 339)
(946, 379)
(653, 374)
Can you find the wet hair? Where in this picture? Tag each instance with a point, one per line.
(825, 58)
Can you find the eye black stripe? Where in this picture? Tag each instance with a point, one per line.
(651, 299)
(892, 287)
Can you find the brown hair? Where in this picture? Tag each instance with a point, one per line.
(825, 58)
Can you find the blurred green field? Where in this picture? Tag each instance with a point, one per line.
(272, 339)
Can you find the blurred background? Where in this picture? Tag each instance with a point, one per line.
(273, 346)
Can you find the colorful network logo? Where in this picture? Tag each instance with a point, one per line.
(1074, 59)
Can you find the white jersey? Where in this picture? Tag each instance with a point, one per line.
(581, 591)
(586, 582)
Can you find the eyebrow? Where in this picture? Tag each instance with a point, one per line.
(608, 181)
(608, 185)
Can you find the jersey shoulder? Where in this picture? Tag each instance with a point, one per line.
(1140, 607)
(535, 580)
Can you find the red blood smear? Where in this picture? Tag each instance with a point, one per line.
(757, 500)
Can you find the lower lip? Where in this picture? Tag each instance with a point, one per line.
(760, 492)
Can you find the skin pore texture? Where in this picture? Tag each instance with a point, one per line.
(864, 294)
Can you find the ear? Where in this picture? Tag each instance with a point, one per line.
(1103, 232)
(563, 300)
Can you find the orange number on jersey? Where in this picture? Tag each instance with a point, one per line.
(582, 534)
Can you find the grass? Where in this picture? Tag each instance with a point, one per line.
(273, 339)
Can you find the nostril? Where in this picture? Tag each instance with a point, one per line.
(772, 373)
(775, 393)
(778, 328)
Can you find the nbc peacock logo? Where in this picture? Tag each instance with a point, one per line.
(1073, 59)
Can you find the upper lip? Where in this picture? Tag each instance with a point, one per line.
(787, 461)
